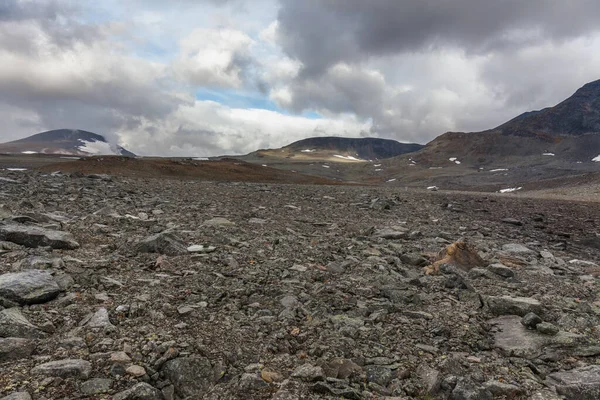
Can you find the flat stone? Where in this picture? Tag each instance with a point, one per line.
(512, 221)
(96, 386)
(430, 378)
(14, 324)
(136, 371)
(577, 384)
(141, 391)
(29, 287)
(166, 243)
(506, 305)
(500, 389)
(391, 234)
(36, 236)
(71, 368)
(467, 390)
(191, 376)
(309, 373)
(198, 248)
(517, 249)
(17, 396)
(514, 339)
(100, 320)
(289, 301)
(219, 221)
(502, 270)
(15, 348)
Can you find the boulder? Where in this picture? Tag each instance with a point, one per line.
(36, 236)
(14, 324)
(141, 391)
(192, 377)
(577, 384)
(29, 287)
(70, 368)
(506, 305)
(166, 243)
(15, 348)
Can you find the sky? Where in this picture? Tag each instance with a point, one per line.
(213, 77)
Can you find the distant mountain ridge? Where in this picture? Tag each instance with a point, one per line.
(361, 148)
(65, 141)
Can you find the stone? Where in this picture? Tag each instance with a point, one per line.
(191, 376)
(70, 368)
(577, 384)
(36, 236)
(29, 287)
(251, 382)
(517, 249)
(96, 386)
(100, 320)
(531, 320)
(502, 270)
(141, 391)
(136, 371)
(547, 328)
(468, 390)
(345, 392)
(430, 378)
(392, 234)
(379, 374)
(17, 396)
(271, 376)
(506, 390)
(166, 243)
(15, 348)
(14, 324)
(289, 301)
(342, 368)
(512, 221)
(198, 248)
(219, 221)
(414, 259)
(506, 305)
(309, 373)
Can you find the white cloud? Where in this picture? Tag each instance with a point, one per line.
(214, 57)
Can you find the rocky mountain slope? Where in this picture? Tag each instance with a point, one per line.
(567, 132)
(64, 141)
(143, 289)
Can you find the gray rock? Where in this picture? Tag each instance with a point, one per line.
(141, 391)
(36, 236)
(96, 386)
(379, 374)
(100, 320)
(477, 273)
(219, 221)
(430, 378)
(29, 287)
(15, 348)
(499, 389)
(513, 339)
(309, 373)
(517, 249)
(71, 368)
(251, 382)
(17, 396)
(192, 377)
(547, 328)
(289, 301)
(512, 221)
(577, 384)
(502, 270)
(506, 305)
(468, 390)
(531, 320)
(345, 392)
(391, 234)
(414, 259)
(162, 243)
(14, 324)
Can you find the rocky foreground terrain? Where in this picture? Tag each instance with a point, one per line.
(129, 288)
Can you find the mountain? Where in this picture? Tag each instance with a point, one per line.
(567, 132)
(335, 149)
(65, 141)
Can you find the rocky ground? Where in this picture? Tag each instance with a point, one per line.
(123, 288)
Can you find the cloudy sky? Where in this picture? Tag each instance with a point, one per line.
(210, 77)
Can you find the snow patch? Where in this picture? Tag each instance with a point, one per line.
(392, 180)
(453, 159)
(16, 169)
(71, 158)
(457, 162)
(379, 165)
(326, 166)
(498, 169)
(29, 152)
(549, 154)
(99, 148)
(347, 157)
(307, 151)
(200, 159)
(510, 190)
(378, 169)
(434, 188)
(597, 159)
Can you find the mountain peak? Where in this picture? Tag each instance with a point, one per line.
(65, 141)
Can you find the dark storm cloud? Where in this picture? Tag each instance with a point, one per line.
(323, 32)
